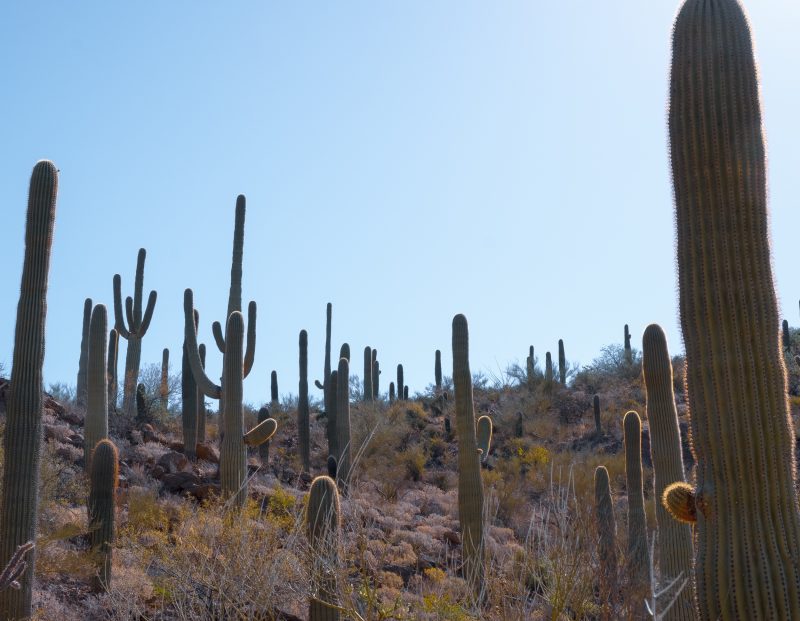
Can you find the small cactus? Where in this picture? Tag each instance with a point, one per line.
(562, 363)
(607, 535)
(367, 383)
(628, 352)
(484, 436)
(102, 500)
(322, 528)
(343, 424)
(392, 396)
(400, 385)
(437, 371)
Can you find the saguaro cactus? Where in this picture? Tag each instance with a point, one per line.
(787, 339)
(81, 391)
(163, 389)
(189, 401)
(376, 373)
(102, 500)
(344, 352)
(95, 426)
(322, 527)
(235, 300)
(628, 352)
(607, 535)
(134, 332)
(747, 537)
(484, 436)
(326, 374)
(367, 373)
(343, 424)
(562, 363)
(201, 399)
(233, 450)
(392, 396)
(23, 433)
(437, 371)
(273, 390)
(400, 385)
(142, 409)
(548, 372)
(470, 485)
(674, 538)
(333, 437)
(113, 349)
(638, 559)
(303, 431)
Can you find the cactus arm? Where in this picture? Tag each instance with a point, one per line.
(484, 436)
(235, 294)
(119, 320)
(129, 313)
(261, 432)
(250, 349)
(209, 388)
(138, 288)
(680, 501)
(318, 385)
(219, 339)
(148, 313)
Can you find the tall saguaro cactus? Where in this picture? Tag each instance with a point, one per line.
(189, 401)
(376, 375)
(136, 329)
(324, 385)
(674, 538)
(343, 447)
(400, 385)
(638, 559)
(95, 426)
(23, 433)
(367, 373)
(628, 352)
(437, 371)
(303, 430)
(81, 395)
(562, 363)
(747, 536)
(111, 369)
(470, 484)
(233, 450)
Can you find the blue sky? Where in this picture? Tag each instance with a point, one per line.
(404, 161)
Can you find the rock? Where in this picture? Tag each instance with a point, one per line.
(207, 453)
(57, 432)
(178, 482)
(203, 491)
(174, 462)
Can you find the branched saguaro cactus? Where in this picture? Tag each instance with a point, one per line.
(674, 538)
(562, 363)
(322, 527)
(135, 331)
(189, 401)
(437, 371)
(103, 478)
(470, 485)
(303, 430)
(111, 370)
(235, 301)
(343, 424)
(95, 426)
(81, 394)
(163, 389)
(376, 374)
(607, 537)
(23, 432)
(233, 449)
(368, 373)
(747, 536)
(638, 558)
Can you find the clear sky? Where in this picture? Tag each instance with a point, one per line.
(405, 161)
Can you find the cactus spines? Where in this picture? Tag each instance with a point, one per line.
(437, 371)
(344, 352)
(674, 539)
(562, 363)
(189, 402)
(136, 329)
(638, 558)
(392, 396)
(23, 432)
(607, 534)
(322, 528)
(95, 426)
(596, 407)
(111, 370)
(163, 389)
(484, 436)
(376, 373)
(747, 536)
(367, 373)
(679, 501)
(400, 386)
(263, 450)
(102, 500)
(470, 485)
(81, 391)
(303, 431)
(628, 352)
(343, 424)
